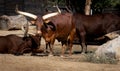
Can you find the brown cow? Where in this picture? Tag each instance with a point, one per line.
(58, 27)
(95, 26)
(13, 44)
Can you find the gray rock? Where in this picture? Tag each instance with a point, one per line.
(110, 49)
(12, 22)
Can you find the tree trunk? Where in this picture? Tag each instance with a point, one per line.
(87, 7)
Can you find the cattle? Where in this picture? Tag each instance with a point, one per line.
(54, 26)
(89, 27)
(13, 44)
(59, 27)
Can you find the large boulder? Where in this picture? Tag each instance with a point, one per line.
(12, 22)
(110, 49)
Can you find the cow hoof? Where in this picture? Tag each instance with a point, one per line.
(50, 55)
(62, 56)
(33, 54)
(47, 51)
(83, 53)
(18, 54)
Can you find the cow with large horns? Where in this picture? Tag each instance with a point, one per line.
(54, 26)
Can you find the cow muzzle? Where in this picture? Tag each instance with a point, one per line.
(39, 32)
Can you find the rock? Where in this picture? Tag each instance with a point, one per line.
(110, 49)
(113, 34)
(13, 22)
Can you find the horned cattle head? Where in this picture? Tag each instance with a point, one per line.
(39, 20)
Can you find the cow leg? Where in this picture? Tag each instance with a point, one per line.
(83, 42)
(33, 52)
(70, 40)
(51, 49)
(84, 48)
(63, 49)
(46, 50)
(20, 51)
(70, 48)
(13, 51)
(51, 44)
(69, 45)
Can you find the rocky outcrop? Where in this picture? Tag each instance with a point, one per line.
(110, 49)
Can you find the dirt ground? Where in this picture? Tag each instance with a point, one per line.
(27, 62)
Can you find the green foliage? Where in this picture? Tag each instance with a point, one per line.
(54, 2)
(114, 3)
(79, 5)
(105, 3)
(98, 5)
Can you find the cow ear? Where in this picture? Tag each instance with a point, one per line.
(51, 26)
(45, 24)
(24, 38)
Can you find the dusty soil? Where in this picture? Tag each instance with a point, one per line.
(75, 62)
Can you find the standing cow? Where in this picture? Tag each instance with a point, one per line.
(54, 26)
(95, 26)
(59, 27)
(13, 44)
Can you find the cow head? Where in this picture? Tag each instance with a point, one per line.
(39, 20)
(30, 43)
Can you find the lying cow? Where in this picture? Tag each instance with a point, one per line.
(95, 26)
(13, 44)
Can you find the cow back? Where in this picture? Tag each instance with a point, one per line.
(96, 25)
(9, 43)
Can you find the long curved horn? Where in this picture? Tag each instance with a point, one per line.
(49, 15)
(52, 14)
(25, 30)
(35, 17)
(26, 14)
(58, 9)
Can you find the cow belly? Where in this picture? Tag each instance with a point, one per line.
(62, 33)
(3, 47)
(61, 38)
